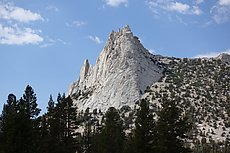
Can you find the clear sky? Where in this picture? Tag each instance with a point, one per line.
(43, 43)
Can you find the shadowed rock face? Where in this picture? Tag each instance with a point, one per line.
(224, 57)
(122, 72)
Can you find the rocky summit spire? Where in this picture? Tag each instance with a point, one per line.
(120, 76)
(84, 70)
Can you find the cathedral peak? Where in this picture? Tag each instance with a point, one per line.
(120, 76)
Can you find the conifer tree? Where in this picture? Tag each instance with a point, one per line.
(62, 125)
(19, 123)
(9, 124)
(71, 125)
(1, 139)
(111, 138)
(44, 137)
(28, 103)
(143, 137)
(171, 128)
(28, 113)
(87, 134)
(112, 132)
(48, 130)
(51, 103)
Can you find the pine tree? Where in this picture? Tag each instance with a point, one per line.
(9, 125)
(19, 123)
(71, 125)
(48, 142)
(111, 138)
(96, 141)
(88, 133)
(61, 125)
(45, 142)
(171, 129)
(1, 139)
(51, 103)
(143, 137)
(59, 121)
(28, 103)
(53, 125)
(113, 132)
(29, 128)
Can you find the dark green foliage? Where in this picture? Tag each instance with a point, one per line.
(55, 131)
(88, 133)
(58, 128)
(211, 147)
(9, 120)
(111, 137)
(22, 130)
(19, 126)
(112, 133)
(171, 129)
(51, 103)
(143, 137)
(28, 103)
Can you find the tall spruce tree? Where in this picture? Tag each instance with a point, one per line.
(48, 132)
(71, 125)
(87, 135)
(62, 125)
(19, 123)
(9, 125)
(28, 103)
(143, 137)
(44, 143)
(1, 139)
(28, 113)
(171, 128)
(113, 132)
(51, 103)
(111, 138)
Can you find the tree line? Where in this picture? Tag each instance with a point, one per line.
(63, 129)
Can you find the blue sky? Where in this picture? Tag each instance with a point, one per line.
(44, 43)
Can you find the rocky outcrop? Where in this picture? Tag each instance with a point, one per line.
(84, 70)
(224, 57)
(120, 76)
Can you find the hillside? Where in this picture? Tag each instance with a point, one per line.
(201, 88)
(126, 72)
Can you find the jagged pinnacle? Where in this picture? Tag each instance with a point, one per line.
(117, 77)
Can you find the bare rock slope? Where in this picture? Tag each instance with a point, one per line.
(120, 76)
(224, 57)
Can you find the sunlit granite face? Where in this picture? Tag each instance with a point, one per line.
(122, 72)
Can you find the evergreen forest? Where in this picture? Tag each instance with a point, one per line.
(65, 129)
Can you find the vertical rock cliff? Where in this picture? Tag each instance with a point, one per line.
(120, 76)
